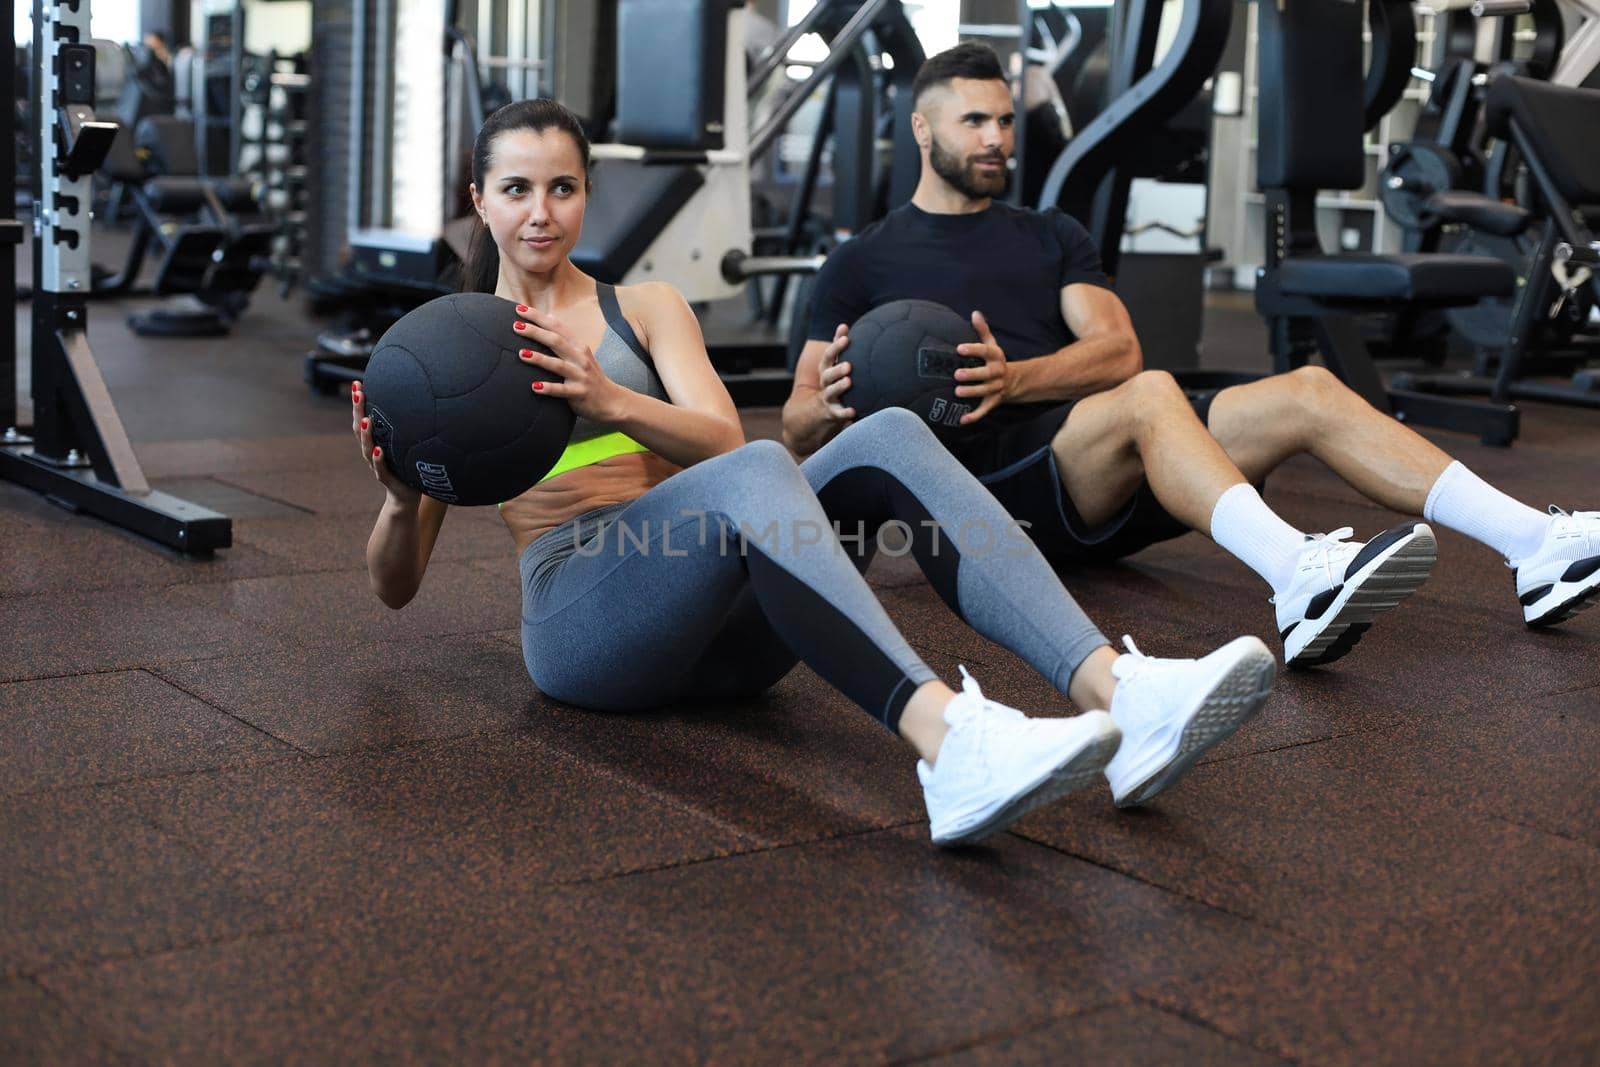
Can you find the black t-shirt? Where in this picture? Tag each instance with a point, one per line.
(1009, 263)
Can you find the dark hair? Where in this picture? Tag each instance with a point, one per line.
(482, 269)
(969, 60)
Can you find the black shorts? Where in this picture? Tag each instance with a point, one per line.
(1016, 463)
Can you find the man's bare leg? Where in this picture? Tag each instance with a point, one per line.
(1309, 410)
(1327, 590)
(1143, 430)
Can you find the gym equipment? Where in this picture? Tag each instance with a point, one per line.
(452, 406)
(1427, 187)
(1553, 129)
(673, 195)
(77, 452)
(1428, 181)
(1148, 128)
(682, 167)
(903, 354)
(871, 62)
(1156, 124)
(406, 228)
(1312, 116)
(214, 258)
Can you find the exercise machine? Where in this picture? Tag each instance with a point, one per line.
(1313, 114)
(76, 452)
(1554, 129)
(1156, 125)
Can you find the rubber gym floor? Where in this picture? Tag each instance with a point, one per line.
(249, 815)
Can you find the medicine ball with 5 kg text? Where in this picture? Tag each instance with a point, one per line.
(903, 354)
(452, 405)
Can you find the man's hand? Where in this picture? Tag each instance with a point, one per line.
(993, 381)
(835, 378)
(815, 412)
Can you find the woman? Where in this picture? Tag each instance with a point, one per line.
(664, 559)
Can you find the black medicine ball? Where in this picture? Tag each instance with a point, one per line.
(903, 354)
(453, 408)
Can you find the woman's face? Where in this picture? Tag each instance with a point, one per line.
(533, 197)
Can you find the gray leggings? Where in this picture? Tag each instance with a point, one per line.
(714, 583)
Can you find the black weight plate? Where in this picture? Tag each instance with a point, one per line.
(1423, 169)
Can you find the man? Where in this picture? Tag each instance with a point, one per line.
(1102, 458)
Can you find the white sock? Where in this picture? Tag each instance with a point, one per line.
(1244, 525)
(1467, 504)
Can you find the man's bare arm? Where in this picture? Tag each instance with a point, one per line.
(1106, 353)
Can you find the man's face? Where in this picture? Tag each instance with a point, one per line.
(971, 131)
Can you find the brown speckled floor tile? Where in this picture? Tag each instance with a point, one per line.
(40, 560)
(35, 1028)
(68, 633)
(870, 948)
(99, 728)
(339, 542)
(343, 698)
(801, 764)
(49, 550)
(209, 456)
(424, 827)
(338, 609)
(87, 878)
(1531, 763)
(1308, 843)
(1129, 1033)
(1507, 980)
(226, 496)
(340, 488)
(23, 510)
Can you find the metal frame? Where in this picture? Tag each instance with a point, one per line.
(78, 453)
(1563, 231)
(1299, 326)
(1092, 177)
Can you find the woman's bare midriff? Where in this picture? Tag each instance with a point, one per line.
(617, 480)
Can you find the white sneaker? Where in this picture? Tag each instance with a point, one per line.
(1171, 711)
(1340, 587)
(996, 764)
(1562, 576)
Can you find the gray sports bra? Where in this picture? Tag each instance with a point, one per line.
(625, 361)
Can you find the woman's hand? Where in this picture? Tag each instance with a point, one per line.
(583, 384)
(399, 492)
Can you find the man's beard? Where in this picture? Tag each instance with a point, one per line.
(966, 178)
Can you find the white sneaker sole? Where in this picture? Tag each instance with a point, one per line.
(1233, 696)
(1376, 588)
(1077, 767)
(1562, 600)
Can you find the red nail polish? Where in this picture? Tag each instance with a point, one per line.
(521, 325)
(525, 353)
(537, 386)
(522, 307)
(363, 424)
(377, 453)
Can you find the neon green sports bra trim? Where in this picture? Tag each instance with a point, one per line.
(595, 449)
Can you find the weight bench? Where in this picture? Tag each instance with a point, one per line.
(1310, 139)
(1555, 129)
